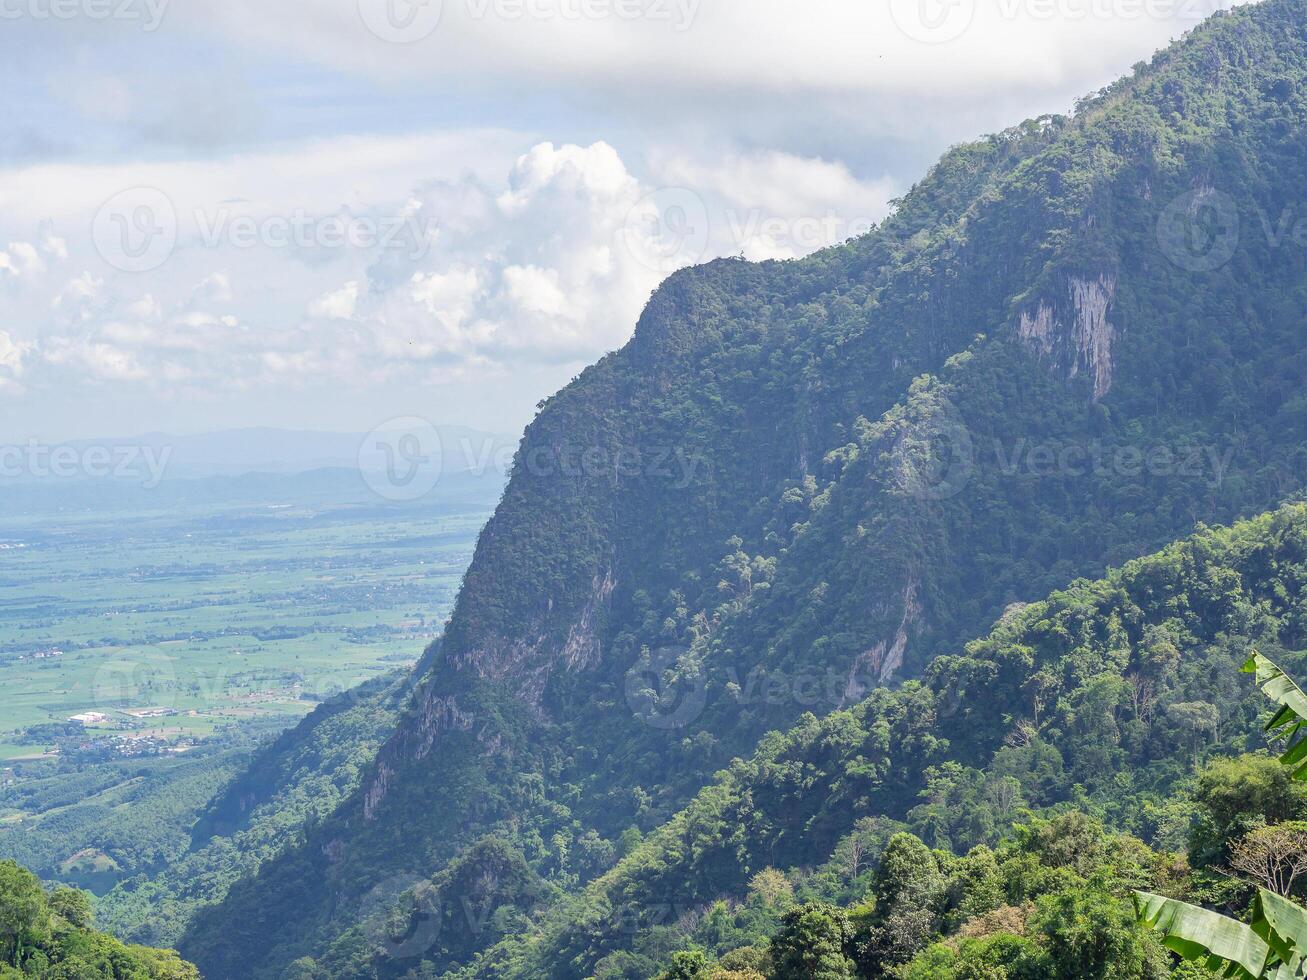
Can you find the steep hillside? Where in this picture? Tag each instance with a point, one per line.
(800, 480)
(291, 783)
(1104, 695)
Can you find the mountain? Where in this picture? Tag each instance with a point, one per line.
(804, 481)
(1102, 695)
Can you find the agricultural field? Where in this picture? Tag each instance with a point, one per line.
(166, 625)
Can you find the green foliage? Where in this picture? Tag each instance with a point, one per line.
(815, 943)
(690, 965)
(48, 937)
(798, 805)
(1235, 796)
(1092, 935)
(1274, 943)
(74, 906)
(1290, 721)
(290, 783)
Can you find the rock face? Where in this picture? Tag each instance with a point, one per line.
(584, 646)
(1074, 334)
(883, 659)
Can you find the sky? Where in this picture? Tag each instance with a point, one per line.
(328, 214)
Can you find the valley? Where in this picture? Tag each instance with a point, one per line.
(147, 649)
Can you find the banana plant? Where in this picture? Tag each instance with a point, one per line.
(1290, 720)
(1273, 945)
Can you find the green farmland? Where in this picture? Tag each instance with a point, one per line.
(219, 613)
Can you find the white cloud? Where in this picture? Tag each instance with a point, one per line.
(21, 259)
(773, 205)
(81, 298)
(704, 54)
(319, 177)
(145, 309)
(98, 361)
(338, 304)
(52, 246)
(215, 288)
(535, 291)
(550, 264)
(12, 353)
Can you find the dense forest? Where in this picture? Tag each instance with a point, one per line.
(766, 527)
(49, 935)
(1098, 705)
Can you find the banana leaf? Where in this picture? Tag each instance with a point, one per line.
(1269, 949)
(1290, 721)
(1223, 945)
(1283, 926)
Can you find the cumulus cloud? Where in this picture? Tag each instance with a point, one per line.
(215, 288)
(11, 360)
(98, 361)
(534, 269)
(774, 205)
(52, 246)
(339, 304)
(21, 259)
(80, 299)
(550, 264)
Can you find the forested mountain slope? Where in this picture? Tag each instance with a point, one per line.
(1070, 342)
(1104, 695)
(294, 781)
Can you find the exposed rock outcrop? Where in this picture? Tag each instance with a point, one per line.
(885, 657)
(1076, 336)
